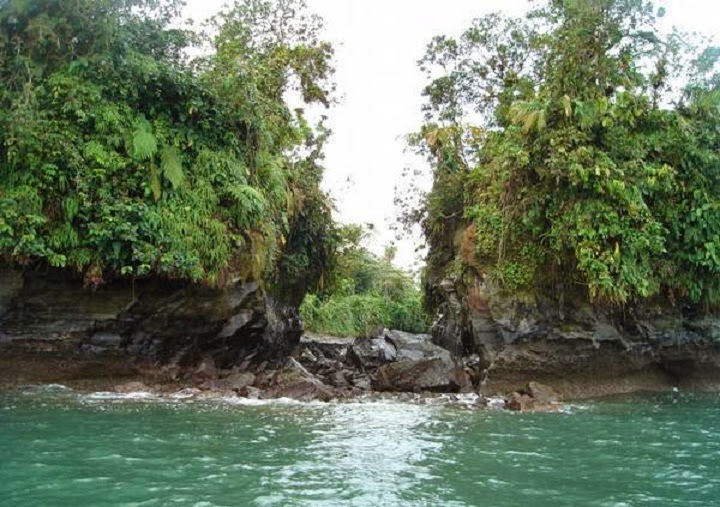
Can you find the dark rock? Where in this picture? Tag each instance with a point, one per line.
(419, 365)
(238, 381)
(413, 347)
(206, 370)
(417, 375)
(562, 340)
(337, 379)
(294, 381)
(308, 356)
(108, 340)
(371, 352)
(155, 318)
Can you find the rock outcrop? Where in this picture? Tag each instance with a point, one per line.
(169, 335)
(395, 361)
(178, 328)
(581, 349)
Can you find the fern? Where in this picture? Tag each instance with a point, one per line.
(71, 207)
(144, 143)
(171, 166)
(529, 115)
(249, 198)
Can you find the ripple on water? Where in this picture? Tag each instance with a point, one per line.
(64, 448)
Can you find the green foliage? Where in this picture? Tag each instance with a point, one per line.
(119, 156)
(364, 293)
(589, 167)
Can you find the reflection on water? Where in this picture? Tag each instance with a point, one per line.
(365, 454)
(60, 448)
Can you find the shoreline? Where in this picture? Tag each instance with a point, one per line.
(123, 377)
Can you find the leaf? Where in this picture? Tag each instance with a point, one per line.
(155, 182)
(144, 144)
(71, 206)
(567, 105)
(171, 166)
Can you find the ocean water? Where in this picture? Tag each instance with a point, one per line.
(61, 448)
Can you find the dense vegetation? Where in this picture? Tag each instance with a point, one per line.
(122, 156)
(364, 293)
(577, 147)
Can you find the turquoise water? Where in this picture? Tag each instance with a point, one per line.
(66, 449)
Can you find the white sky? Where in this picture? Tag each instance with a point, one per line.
(378, 43)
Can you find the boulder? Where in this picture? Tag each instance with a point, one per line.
(415, 347)
(294, 381)
(418, 375)
(362, 382)
(371, 352)
(399, 361)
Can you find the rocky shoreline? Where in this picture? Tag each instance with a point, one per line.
(241, 341)
(391, 366)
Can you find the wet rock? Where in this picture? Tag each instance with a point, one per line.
(211, 385)
(294, 381)
(417, 375)
(519, 402)
(237, 381)
(542, 393)
(250, 392)
(187, 392)
(496, 403)
(131, 387)
(535, 398)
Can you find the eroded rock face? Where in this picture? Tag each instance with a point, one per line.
(183, 326)
(583, 350)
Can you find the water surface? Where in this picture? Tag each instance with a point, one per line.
(61, 448)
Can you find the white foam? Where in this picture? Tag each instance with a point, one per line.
(46, 388)
(110, 396)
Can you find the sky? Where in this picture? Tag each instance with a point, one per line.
(377, 44)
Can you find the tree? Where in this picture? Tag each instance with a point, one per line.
(563, 144)
(364, 292)
(121, 156)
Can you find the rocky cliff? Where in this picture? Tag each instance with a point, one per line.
(165, 336)
(565, 341)
(53, 329)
